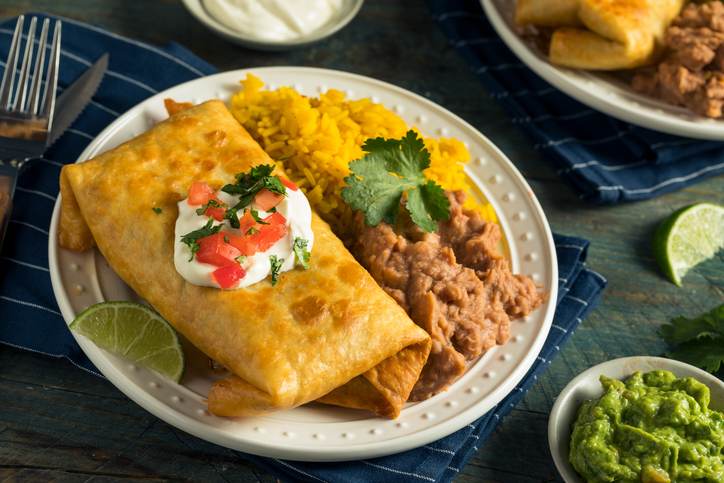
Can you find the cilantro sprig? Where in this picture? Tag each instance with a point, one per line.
(301, 252)
(250, 183)
(390, 169)
(698, 341)
(192, 238)
(247, 185)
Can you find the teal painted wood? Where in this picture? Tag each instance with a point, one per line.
(60, 423)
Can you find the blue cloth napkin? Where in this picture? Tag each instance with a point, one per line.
(604, 159)
(29, 316)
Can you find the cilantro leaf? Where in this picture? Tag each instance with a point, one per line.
(706, 353)
(390, 169)
(157, 210)
(209, 204)
(276, 265)
(698, 341)
(427, 205)
(259, 171)
(247, 185)
(301, 252)
(681, 329)
(275, 185)
(192, 239)
(377, 195)
(436, 202)
(246, 180)
(231, 215)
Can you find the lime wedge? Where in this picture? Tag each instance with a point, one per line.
(133, 331)
(687, 237)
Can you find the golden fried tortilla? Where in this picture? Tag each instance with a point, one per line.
(326, 328)
(614, 34)
(547, 13)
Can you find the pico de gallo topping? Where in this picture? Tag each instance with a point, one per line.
(257, 227)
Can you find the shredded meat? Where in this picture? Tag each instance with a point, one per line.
(691, 73)
(454, 283)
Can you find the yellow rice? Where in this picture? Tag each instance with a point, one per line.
(316, 138)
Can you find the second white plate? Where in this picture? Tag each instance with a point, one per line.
(316, 432)
(599, 91)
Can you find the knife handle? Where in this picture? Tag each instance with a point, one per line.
(6, 203)
(8, 179)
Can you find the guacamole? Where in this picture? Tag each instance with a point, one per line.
(652, 428)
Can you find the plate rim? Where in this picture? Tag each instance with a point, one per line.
(294, 451)
(564, 80)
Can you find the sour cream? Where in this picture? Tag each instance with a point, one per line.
(294, 207)
(275, 20)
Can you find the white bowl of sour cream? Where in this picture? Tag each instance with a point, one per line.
(274, 24)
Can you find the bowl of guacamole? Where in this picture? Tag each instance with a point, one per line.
(640, 419)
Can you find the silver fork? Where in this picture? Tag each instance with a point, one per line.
(26, 106)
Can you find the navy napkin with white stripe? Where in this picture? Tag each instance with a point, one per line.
(604, 159)
(30, 318)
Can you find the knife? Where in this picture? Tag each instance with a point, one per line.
(67, 108)
(76, 97)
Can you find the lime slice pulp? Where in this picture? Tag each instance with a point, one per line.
(687, 237)
(135, 332)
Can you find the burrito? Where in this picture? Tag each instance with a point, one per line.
(328, 331)
(614, 34)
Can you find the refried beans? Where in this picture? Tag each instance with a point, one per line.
(692, 71)
(454, 283)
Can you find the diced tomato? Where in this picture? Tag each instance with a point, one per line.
(200, 193)
(244, 243)
(217, 213)
(213, 249)
(227, 276)
(263, 236)
(268, 235)
(266, 200)
(275, 219)
(246, 221)
(273, 231)
(288, 183)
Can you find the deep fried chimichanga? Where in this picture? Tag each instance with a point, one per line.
(317, 330)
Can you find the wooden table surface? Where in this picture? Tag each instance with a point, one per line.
(60, 423)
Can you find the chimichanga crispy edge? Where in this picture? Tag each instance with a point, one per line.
(547, 13)
(73, 232)
(386, 387)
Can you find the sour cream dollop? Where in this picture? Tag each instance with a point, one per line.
(295, 209)
(275, 20)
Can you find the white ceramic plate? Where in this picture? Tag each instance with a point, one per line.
(316, 432)
(586, 387)
(345, 15)
(599, 90)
